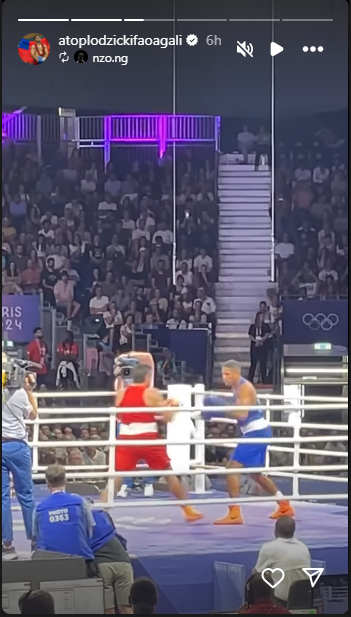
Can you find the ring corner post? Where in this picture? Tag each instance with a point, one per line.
(200, 480)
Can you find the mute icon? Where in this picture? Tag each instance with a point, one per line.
(313, 574)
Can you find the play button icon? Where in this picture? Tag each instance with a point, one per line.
(276, 49)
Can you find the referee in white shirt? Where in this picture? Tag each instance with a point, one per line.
(286, 553)
(18, 405)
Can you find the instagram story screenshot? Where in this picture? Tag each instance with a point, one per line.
(175, 302)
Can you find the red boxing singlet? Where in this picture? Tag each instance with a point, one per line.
(134, 397)
(137, 426)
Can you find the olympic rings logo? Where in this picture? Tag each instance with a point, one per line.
(320, 321)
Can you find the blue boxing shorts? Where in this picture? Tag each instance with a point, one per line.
(252, 454)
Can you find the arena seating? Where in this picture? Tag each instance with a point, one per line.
(311, 217)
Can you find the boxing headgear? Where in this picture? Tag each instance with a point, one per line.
(124, 365)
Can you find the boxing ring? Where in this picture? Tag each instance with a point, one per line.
(183, 559)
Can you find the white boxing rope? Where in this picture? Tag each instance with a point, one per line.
(221, 408)
(190, 442)
(194, 472)
(223, 393)
(182, 433)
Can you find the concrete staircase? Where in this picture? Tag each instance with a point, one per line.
(244, 254)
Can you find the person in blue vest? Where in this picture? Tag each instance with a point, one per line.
(113, 563)
(63, 522)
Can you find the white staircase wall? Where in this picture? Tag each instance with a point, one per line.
(244, 255)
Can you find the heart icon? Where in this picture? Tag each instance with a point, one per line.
(273, 585)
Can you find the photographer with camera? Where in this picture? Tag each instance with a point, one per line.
(18, 405)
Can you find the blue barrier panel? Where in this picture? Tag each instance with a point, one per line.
(229, 586)
(315, 321)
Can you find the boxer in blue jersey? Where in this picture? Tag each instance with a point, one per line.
(252, 425)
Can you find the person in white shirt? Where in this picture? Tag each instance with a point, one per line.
(320, 174)
(113, 186)
(164, 233)
(208, 304)
(98, 304)
(58, 258)
(46, 230)
(326, 231)
(75, 207)
(286, 553)
(186, 274)
(284, 249)
(203, 260)
(49, 216)
(88, 185)
(127, 222)
(150, 223)
(108, 205)
(302, 174)
(175, 322)
(328, 271)
(246, 141)
(140, 231)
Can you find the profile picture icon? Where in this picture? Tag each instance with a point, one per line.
(81, 56)
(34, 48)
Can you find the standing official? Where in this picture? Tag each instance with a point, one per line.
(18, 405)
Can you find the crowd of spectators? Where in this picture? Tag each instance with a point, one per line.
(311, 218)
(101, 242)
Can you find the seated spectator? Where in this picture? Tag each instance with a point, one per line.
(260, 598)
(107, 206)
(302, 173)
(127, 222)
(184, 258)
(166, 368)
(126, 335)
(285, 552)
(306, 279)
(47, 231)
(30, 278)
(186, 274)
(176, 322)
(327, 232)
(19, 258)
(63, 522)
(113, 563)
(160, 277)
(93, 456)
(88, 184)
(320, 174)
(64, 297)
(75, 457)
(208, 304)
(112, 185)
(161, 304)
(284, 249)
(141, 231)
(328, 271)
(203, 260)
(143, 597)
(37, 603)
(99, 303)
(164, 233)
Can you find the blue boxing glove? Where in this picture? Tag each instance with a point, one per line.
(215, 401)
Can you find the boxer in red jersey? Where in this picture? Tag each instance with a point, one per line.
(144, 426)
